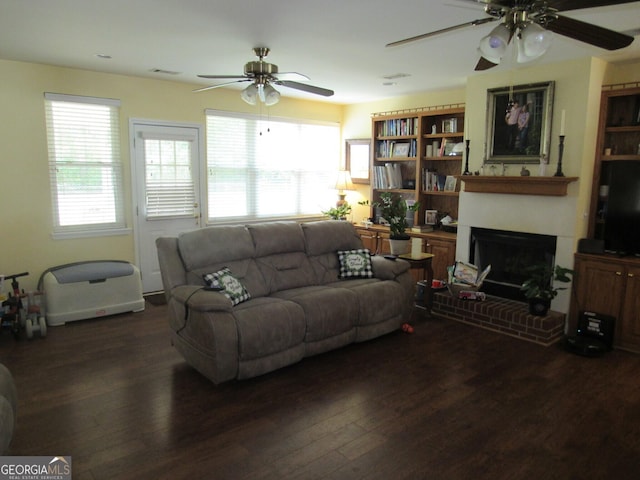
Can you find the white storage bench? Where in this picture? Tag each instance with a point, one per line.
(91, 289)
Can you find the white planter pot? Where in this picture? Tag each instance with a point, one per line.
(400, 247)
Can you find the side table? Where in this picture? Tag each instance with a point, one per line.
(422, 261)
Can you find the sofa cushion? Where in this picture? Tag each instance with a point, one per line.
(378, 300)
(328, 311)
(276, 237)
(330, 236)
(355, 263)
(207, 246)
(213, 248)
(267, 326)
(232, 288)
(280, 255)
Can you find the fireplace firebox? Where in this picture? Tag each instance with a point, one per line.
(509, 254)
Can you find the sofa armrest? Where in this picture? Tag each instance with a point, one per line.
(386, 269)
(8, 407)
(197, 298)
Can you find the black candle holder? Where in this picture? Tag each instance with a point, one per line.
(466, 159)
(560, 152)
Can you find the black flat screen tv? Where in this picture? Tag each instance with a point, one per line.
(622, 220)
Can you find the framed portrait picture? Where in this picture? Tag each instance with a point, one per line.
(431, 217)
(519, 123)
(357, 159)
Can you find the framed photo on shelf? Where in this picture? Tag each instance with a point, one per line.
(400, 150)
(431, 217)
(519, 123)
(450, 125)
(450, 184)
(357, 159)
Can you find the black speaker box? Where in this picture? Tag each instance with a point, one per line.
(590, 245)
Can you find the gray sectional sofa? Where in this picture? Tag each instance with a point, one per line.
(8, 409)
(291, 302)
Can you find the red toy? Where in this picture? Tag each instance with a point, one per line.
(406, 328)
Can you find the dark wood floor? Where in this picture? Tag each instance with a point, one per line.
(448, 402)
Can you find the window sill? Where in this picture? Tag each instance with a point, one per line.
(90, 233)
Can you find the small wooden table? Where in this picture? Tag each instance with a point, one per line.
(422, 261)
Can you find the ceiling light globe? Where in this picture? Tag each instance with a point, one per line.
(493, 46)
(536, 40)
(271, 95)
(250, 94)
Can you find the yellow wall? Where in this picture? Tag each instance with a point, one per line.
(25, 212)
(625, 72)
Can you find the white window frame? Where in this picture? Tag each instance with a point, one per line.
(266, 126)
(109, 160)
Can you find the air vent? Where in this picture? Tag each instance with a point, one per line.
(395, 76)
(164, 72)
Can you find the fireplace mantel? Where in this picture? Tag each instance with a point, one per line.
(520, 185)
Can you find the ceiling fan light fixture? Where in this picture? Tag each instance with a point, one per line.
(250, 94)
(270, 94)
(533, 42)
(493, 46)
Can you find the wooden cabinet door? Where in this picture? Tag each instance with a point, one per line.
(599, 287)
(444, 255)
(369, 239)
(384, 247)
(628, 325)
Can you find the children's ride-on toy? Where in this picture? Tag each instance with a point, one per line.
(17, 315)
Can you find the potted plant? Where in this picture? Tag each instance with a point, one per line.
(339, 212)
(394, 208)
(539, 288)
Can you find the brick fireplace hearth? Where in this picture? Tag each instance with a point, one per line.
(501, 315)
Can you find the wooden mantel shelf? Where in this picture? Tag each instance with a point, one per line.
(520, 185)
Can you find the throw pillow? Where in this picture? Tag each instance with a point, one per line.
(355, 263)
(233, 288)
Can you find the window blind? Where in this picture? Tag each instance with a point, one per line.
(85, 168)
(168, 176)
(269, 168)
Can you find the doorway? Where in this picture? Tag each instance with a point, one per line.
(166, 160)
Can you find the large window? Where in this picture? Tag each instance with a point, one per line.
(269, 168)
(85, 169)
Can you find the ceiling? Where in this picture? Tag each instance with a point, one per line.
(338, 44)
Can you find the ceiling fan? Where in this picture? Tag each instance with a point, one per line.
(532, 23)
(263, 76)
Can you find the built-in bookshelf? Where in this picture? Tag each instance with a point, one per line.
(418, 154)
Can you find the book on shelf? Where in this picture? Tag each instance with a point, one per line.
(392, 148)
(422, 228)
(388, 175)
(398, 127)
(432, 181)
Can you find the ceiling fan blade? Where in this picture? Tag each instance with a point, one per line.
(566, 5)
(305, 88)
(220, 85)
(222, 76)
(484, 64)
(589, 33)
(290, 76)
(472, 23)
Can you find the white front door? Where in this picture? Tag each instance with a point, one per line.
(166, 177)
